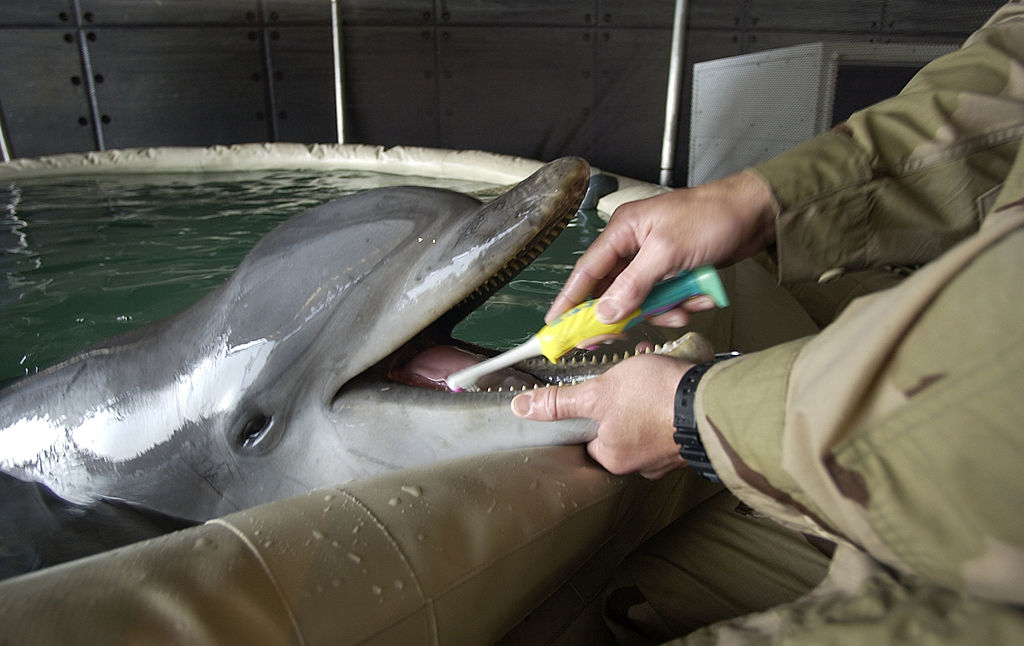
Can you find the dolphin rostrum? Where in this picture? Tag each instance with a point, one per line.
(277, 382)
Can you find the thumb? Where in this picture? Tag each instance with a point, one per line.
(552, 403)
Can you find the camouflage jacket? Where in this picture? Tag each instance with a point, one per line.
(898, 431)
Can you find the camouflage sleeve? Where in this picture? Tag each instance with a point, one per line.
(896, 430)
(905, 179)
(863, 604)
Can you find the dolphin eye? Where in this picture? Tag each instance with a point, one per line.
(254, 431)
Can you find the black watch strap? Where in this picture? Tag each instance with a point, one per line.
(686, 436)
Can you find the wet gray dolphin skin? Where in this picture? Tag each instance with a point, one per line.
(274, 384)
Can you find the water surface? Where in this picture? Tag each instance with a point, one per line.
(86, 258)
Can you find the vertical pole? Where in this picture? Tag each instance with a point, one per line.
(89, 78)
(339, 110)
(5, 153)
(268, 74)
(675, 64)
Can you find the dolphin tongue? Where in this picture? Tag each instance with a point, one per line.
(430, 368)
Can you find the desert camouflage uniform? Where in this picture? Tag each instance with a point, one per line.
(898, 431)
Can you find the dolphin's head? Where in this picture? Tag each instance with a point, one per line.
(356, 286)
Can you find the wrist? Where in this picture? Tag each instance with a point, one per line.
(686, 434)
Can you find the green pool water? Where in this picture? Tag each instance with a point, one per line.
(87, 258)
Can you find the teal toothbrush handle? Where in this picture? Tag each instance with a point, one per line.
(688, 283)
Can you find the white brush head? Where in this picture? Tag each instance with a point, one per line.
(465, 380)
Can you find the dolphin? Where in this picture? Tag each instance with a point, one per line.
(295, 373)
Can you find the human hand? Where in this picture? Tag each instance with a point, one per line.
(634, 406)
(645, 241)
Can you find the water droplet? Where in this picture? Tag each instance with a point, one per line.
(355, 558)
(376, 590)
(318, 535)
(398, 584)
(201, 543)
(329, 497)
(412, 490)
(394, 502)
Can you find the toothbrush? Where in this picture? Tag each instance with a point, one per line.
(580, 326)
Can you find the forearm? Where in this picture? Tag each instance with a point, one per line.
(903, 180)
(896, 429)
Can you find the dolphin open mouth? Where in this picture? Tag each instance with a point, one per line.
(431, 356)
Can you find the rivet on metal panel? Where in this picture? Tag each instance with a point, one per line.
(98, 78)
(69, 38)
(64, 16)
(82, 121)
(91, 37)
(426, 16)
(76, 80)
(446, 16)
(587, 18)
(105, 118)
(251, 35)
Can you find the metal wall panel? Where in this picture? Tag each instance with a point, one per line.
(759, 41)
(628, 13)
(624, 131)
(303, 85)
(576, 13)
(523, 91)
(926, 17)
(36, 12)
(392, 12)
(291, 11)
(169, 12)
(390, 86)
(819, 16)
(44, 103)
(180, 86)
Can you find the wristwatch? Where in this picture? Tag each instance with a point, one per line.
(685, 422)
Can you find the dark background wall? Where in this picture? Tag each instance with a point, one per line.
(537, 78)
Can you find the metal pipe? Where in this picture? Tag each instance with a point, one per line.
(339, 110)
(668, 141)
(90, 80)
(268, 72)
(5, 154)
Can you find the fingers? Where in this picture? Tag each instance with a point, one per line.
(555, 403)
(603, 260)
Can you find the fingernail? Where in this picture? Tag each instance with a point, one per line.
(607, 310)
(522, 404)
